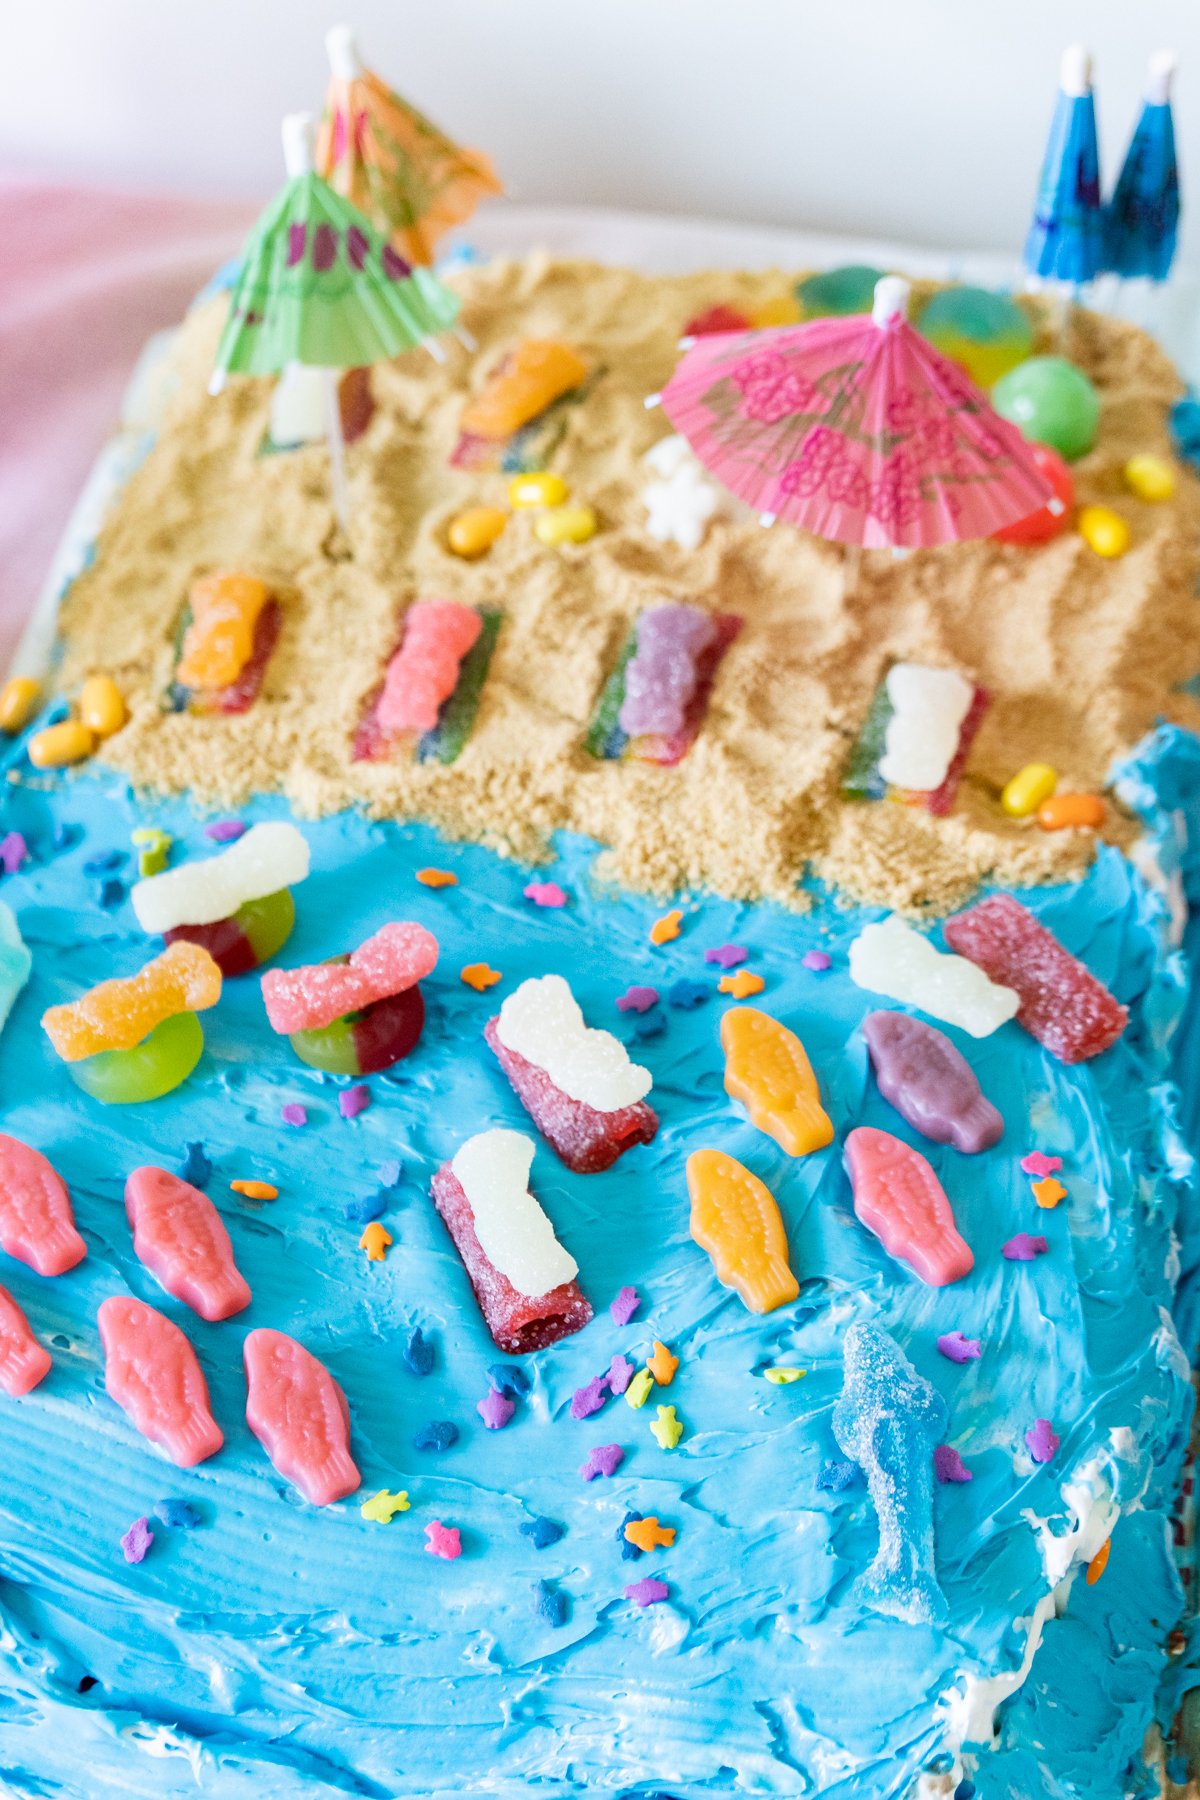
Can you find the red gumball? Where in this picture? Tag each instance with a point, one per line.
(717, 319)
(1046, 523)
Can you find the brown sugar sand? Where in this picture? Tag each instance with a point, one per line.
(1081, 656)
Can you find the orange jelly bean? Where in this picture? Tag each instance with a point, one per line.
(736, 1219)
(766, 1068)
(537, 372)
(1062, 812)
(220, 639)
(117, 1015)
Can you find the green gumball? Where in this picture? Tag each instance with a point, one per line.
(987, 334)
(838, 292)
(1052, 402)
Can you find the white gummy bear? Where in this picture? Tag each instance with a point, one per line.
(542, 1022)
(514, 1233)
(16, 960)
(891, 958)
(929, 706)
(268, 857)
(684, 498)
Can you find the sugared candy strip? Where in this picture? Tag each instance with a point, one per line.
(541, 1020)
(298, 1413)
(118, 1014)
(915, 739)
(16, 961)
(899, 1198)
(735, 1218)
(767, 1069)
(219, 638)
(151, 1371)
(890, 958)
(586, 1138)
(394, 958)
(461, 674)
(930, 1083)
(23, 1361)
(1061, 1003)
(536, 373)
(179, 1235)
(266, 859)
(424, 671)
(674, 684)
(524, 1281)
(239, 694)
(37, 1225)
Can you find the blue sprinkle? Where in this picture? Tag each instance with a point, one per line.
(196, 1167)
(65, 835)
(419, 1353)
(105, 863)
(439, 1434)
(390, 1174)
(965, 1790)
(510, 1379)
(541, 1532)
(550, 1603)
(835, 1476)
(687, 994)
(180, 1515)
(1185, 428)
(629, 1552)
(110, 893)
(651, 1025)
(364, 1210)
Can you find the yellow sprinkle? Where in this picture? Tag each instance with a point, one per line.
(1105, 530)
(101, 706)
(1028, 789)
(473, 532)
(784, 1377)
(638, 1391)
(255, 1190)
(56, 746)
(436, 878)
(1150, 477)
(540, 488)
(18, 702)
(382, 1507)
(665, 929)
(667, 1428)
(565, 525)
(741, 985)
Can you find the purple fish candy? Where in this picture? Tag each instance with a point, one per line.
(930, 1083)
(661, 676)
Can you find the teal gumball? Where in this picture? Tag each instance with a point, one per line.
(986, 334)
(1052, 402)
(837, 292)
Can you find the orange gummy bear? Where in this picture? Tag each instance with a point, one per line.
(538, 371)
(766, 1068)
(220, 639)
(116, 1015)
(735, 1218)
(647, 1534)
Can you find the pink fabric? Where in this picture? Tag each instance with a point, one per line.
(88, 277)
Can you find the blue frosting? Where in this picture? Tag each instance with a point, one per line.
(277, 1650)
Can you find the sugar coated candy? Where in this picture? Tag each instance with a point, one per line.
(524, 1281)
(58, 746)
(1028, 789)
(928, 709)
(118, 1014)
(930, 1083)
(37, 1225)
(16, 960)
(23, 1361)
(766, 1068)
(101, 706)
(1071, 812)
(1104, 530)
(891, 958)
(395, 958)
(424, 671)
(662, 674)
(151, 1371)
(19, 700)
(540, 487)
(264, 860)
(472, 533)
(1150, 477)
(179, 1235)
(899, 1198)
(219, 640)
(559, 525)
(1061, 1003)
(536, 372)
(298, 1413)
(889, 1420)
(683, 497)
(736, 1219)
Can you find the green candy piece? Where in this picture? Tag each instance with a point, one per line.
(862, 780)
(268, 923)
(445, 742)
(330, 1048)
(1052, 402)
(987, 334)
(152, 1068)
(604, 730)
(850, 289)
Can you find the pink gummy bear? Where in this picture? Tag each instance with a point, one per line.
(36, 1222)
(298, 1413)
(178, 1234)
(424, 671)
(394, 959)
(151, 1372)
(899, 1198)
(23, 1361)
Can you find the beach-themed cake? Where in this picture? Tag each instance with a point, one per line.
(594, 1191)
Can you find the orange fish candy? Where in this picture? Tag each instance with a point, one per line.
(118, 1014)
(766, 1068)
(736, 1219)
(220, 639)
(538, 371)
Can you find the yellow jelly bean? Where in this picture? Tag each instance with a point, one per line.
(18, 702)
(566, 525)
(1150, 477)
(68, 742)
(783, 310)
(539, 489)
(474, 532)
(1105, 530)
(1028, 788)
(100, 705)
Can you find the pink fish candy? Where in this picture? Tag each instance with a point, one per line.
(424, 671)
(899, 1198)
(394, 959)
(179, 1235)
(298, 1413)
(23, 1361)
(37, 1225)
(151, 1372)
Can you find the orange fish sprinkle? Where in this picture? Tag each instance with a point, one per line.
(436, 878)
(741, 985)
(647, 1534)
(480, 977)
(255, 1190)
(666, 929)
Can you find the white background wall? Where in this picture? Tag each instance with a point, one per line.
(914, 119)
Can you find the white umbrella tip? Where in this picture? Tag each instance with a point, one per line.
(891, 299)
(1163, 65)
(342, 50)
(299, 143)
(1076, 76)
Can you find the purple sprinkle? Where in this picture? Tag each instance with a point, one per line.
(294, 1114)
(224, 831)
(625, 1305)
(728, 955)
(1024, 1248)
(637, 999)
(958, 1348)
(1042, 1440)
(646, 1592)
(390, 1173)
(495, 1409)
(620, 1373)
(353, 1100)
(13, 852)
(948, 1465)
(137, 1540)
(588, 1400)
(545, 893)
(603, 1459)
(817, 960)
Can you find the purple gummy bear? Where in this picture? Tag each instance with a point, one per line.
(930, 1083)
(661, 675)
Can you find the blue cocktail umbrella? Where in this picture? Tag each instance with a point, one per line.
(1142, 218)
(1066, 239)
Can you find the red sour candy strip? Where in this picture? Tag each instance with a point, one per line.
(298, 1413)
(151, 1372)
(899, 1198)
(1062, 1004)
(178, 1234)
(397, 956)
(424, 671)
(518, 1322)
(23, 1361)
(587, 1140)
(37, 1225)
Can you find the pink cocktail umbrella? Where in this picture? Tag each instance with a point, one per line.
(855, 429)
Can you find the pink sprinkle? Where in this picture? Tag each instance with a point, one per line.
(353, 1100)
(294, 1114)
(1042, 1440)
(603, 1459)
(1041, 1165)
(496, 1410)
(647, 1591)
(137, 1541)
(957, 1348)
(224, 831)
(443, 1540)
(13, 852)
(625, 1305)
(588, 1400)
(1024, 1248)
(819, 960)
(545, 893)
(948, 1465)
(620, 1373)
(728, 955)
(637, 999)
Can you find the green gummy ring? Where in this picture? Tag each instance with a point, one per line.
(152, 1068)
